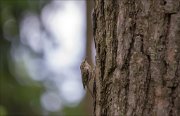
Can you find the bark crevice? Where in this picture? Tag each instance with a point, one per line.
(137, 57)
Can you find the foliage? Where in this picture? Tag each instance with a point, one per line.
(16, 97)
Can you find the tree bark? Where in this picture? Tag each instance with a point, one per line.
(137, 70)
(88, 99)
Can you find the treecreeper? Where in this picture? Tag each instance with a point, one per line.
(87, 75)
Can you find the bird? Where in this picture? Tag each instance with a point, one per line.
(86, 73)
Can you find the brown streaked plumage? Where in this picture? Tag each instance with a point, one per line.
(85, 72)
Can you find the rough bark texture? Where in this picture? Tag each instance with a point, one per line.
(137, 57)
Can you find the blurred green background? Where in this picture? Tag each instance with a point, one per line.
(30, 84)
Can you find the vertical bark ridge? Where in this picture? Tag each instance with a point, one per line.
(172, 58)
(100, 52)
(137, 57)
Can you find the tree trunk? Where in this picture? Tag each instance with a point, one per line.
(137, 70)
